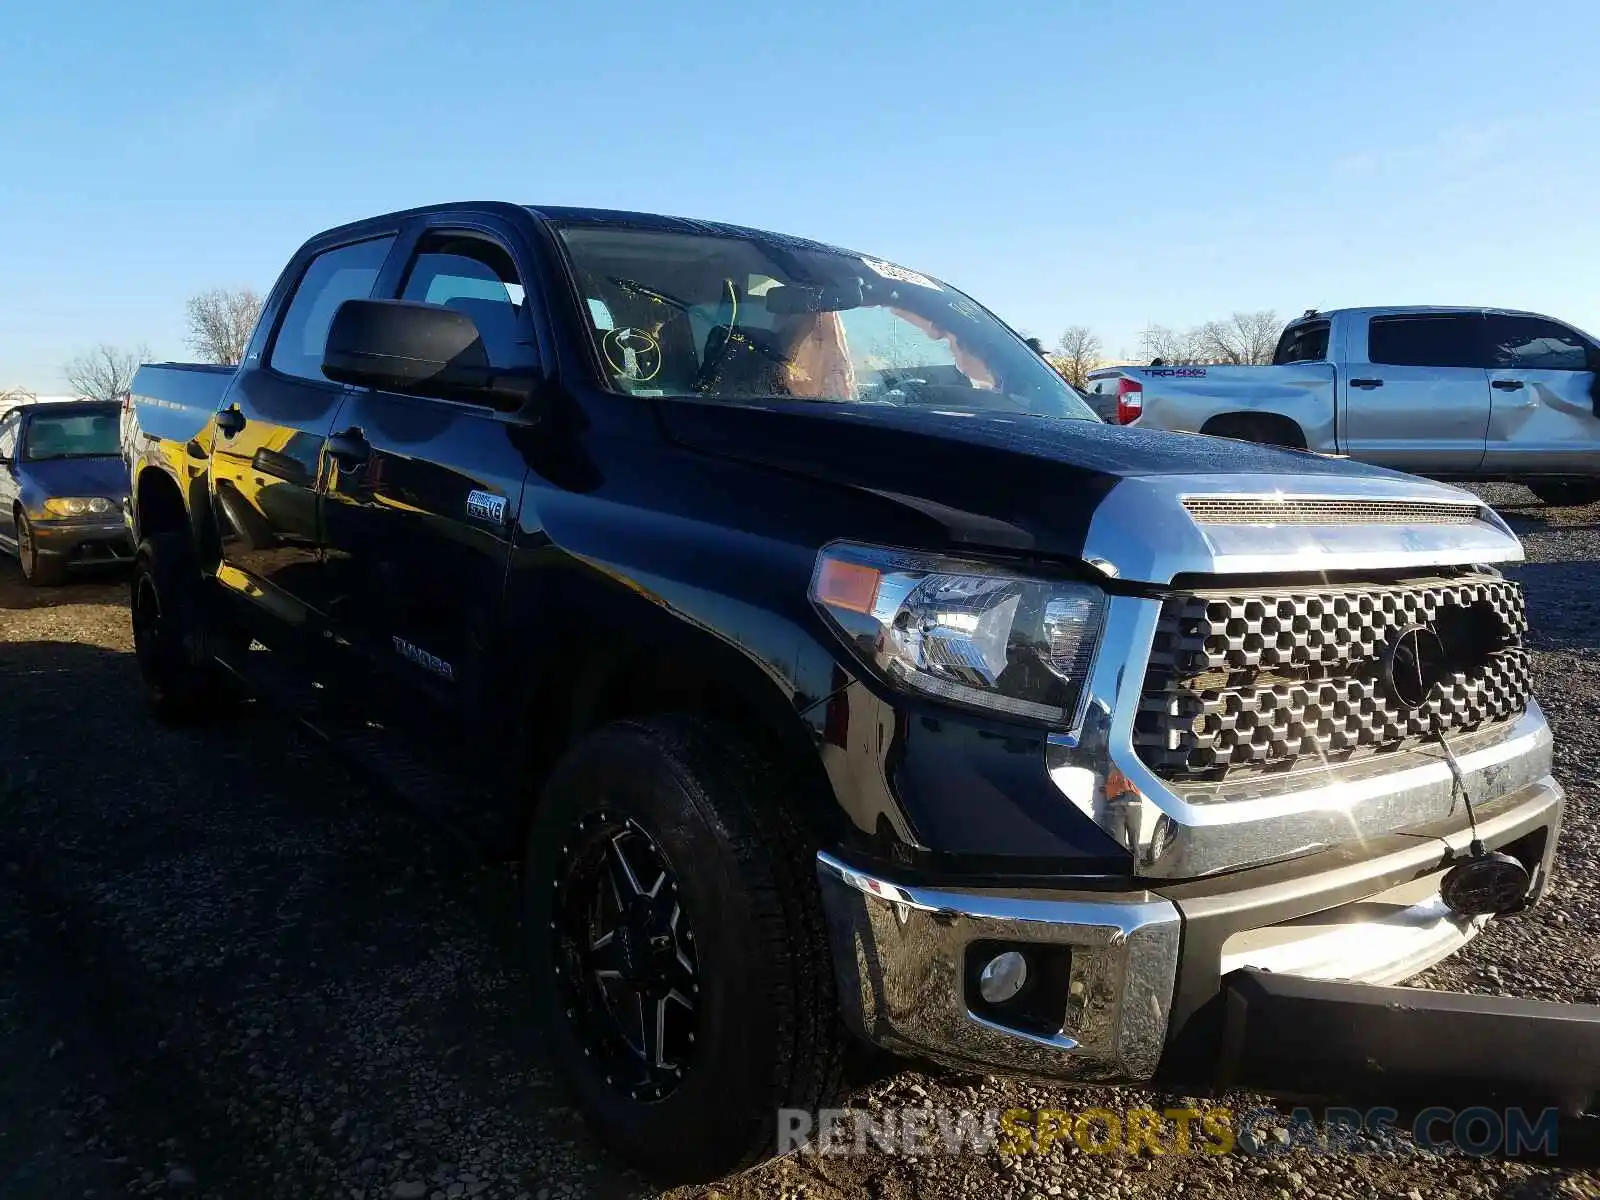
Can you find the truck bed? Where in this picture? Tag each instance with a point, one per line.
(174, 401)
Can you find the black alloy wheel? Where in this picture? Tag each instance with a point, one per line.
(626, 952)
(680, 967)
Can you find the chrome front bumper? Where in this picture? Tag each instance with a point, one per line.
(1142, 962)
(899, 958)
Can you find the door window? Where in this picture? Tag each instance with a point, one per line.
(334, 276)
(1535, 344)
(1427, 340)
(8, 437)
(477, 277)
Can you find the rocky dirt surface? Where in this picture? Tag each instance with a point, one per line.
(230, 968)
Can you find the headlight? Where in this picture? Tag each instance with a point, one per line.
(964, 632)
(77, 506)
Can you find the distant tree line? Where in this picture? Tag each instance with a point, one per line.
(1244, 339)
(220, 321)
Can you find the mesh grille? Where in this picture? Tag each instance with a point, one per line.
(1225, 510)
(1242, 683)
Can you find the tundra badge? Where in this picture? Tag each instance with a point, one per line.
(428, 662)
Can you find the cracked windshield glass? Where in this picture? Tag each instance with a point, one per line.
(745, 318)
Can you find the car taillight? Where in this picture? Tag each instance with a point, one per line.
(1130, 400)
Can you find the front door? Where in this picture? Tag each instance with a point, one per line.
(267, 450)
(1544, 419)
(1417, 393)
(422, 498)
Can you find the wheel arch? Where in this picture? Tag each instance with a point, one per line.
(668, 665)
(1267, 428)
(158, 505)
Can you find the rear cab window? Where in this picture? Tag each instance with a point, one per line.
(1427, 340)
(332, 277)
(1306, 341)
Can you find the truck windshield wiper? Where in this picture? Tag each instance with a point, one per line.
(633, 285)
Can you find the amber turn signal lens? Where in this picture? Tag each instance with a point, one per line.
(848, 585)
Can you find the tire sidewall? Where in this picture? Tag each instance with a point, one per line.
(178, 677)
(624, 773)
(27, 554)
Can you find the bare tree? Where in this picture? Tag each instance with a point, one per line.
(1080, 352)
(105, 372)
(1246, 339)
(12, 396)
(1168, 344)
(221, 321)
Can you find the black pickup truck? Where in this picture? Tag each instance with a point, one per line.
(835, 672)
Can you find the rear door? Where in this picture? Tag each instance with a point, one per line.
(1416, 392)
(267, 449)
(422, 494)
(1542, 418)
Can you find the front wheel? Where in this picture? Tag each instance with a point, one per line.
(36, 571)
(679, 959)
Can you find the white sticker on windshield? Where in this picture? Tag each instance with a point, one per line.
(900, 274)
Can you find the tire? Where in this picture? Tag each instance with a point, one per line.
(1573, 493)
(764, 1032)
(171, 642)
(36, 571)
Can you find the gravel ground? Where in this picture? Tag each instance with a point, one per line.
(229, 968)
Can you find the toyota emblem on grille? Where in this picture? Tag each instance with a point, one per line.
(1413, 666)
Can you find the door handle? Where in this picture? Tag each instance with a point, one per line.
(230, 421)
(349, 449)
(1366, 383)
(1506, 385)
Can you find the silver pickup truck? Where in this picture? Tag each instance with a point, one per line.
(1454, 393)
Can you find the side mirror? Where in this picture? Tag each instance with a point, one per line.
(419, 350)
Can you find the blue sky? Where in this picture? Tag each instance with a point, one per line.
(1106, 163)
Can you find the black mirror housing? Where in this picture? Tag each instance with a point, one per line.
(418, 349)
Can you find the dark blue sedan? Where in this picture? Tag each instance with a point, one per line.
(62, 486)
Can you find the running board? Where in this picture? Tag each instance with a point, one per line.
(433, 794)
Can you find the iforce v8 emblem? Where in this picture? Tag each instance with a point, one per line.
(486, 506)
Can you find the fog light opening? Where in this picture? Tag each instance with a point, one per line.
(1002, 977)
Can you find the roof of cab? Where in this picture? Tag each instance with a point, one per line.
(554, 213)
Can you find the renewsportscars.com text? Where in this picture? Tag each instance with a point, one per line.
(1511, 1132)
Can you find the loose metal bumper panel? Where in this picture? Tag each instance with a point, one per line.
(1315, 1039)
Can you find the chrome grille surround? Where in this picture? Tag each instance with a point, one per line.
(1247, 681)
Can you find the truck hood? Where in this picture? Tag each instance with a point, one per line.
(1120, 498)
(103, 475)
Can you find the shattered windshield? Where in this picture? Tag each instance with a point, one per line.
(745, 317)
